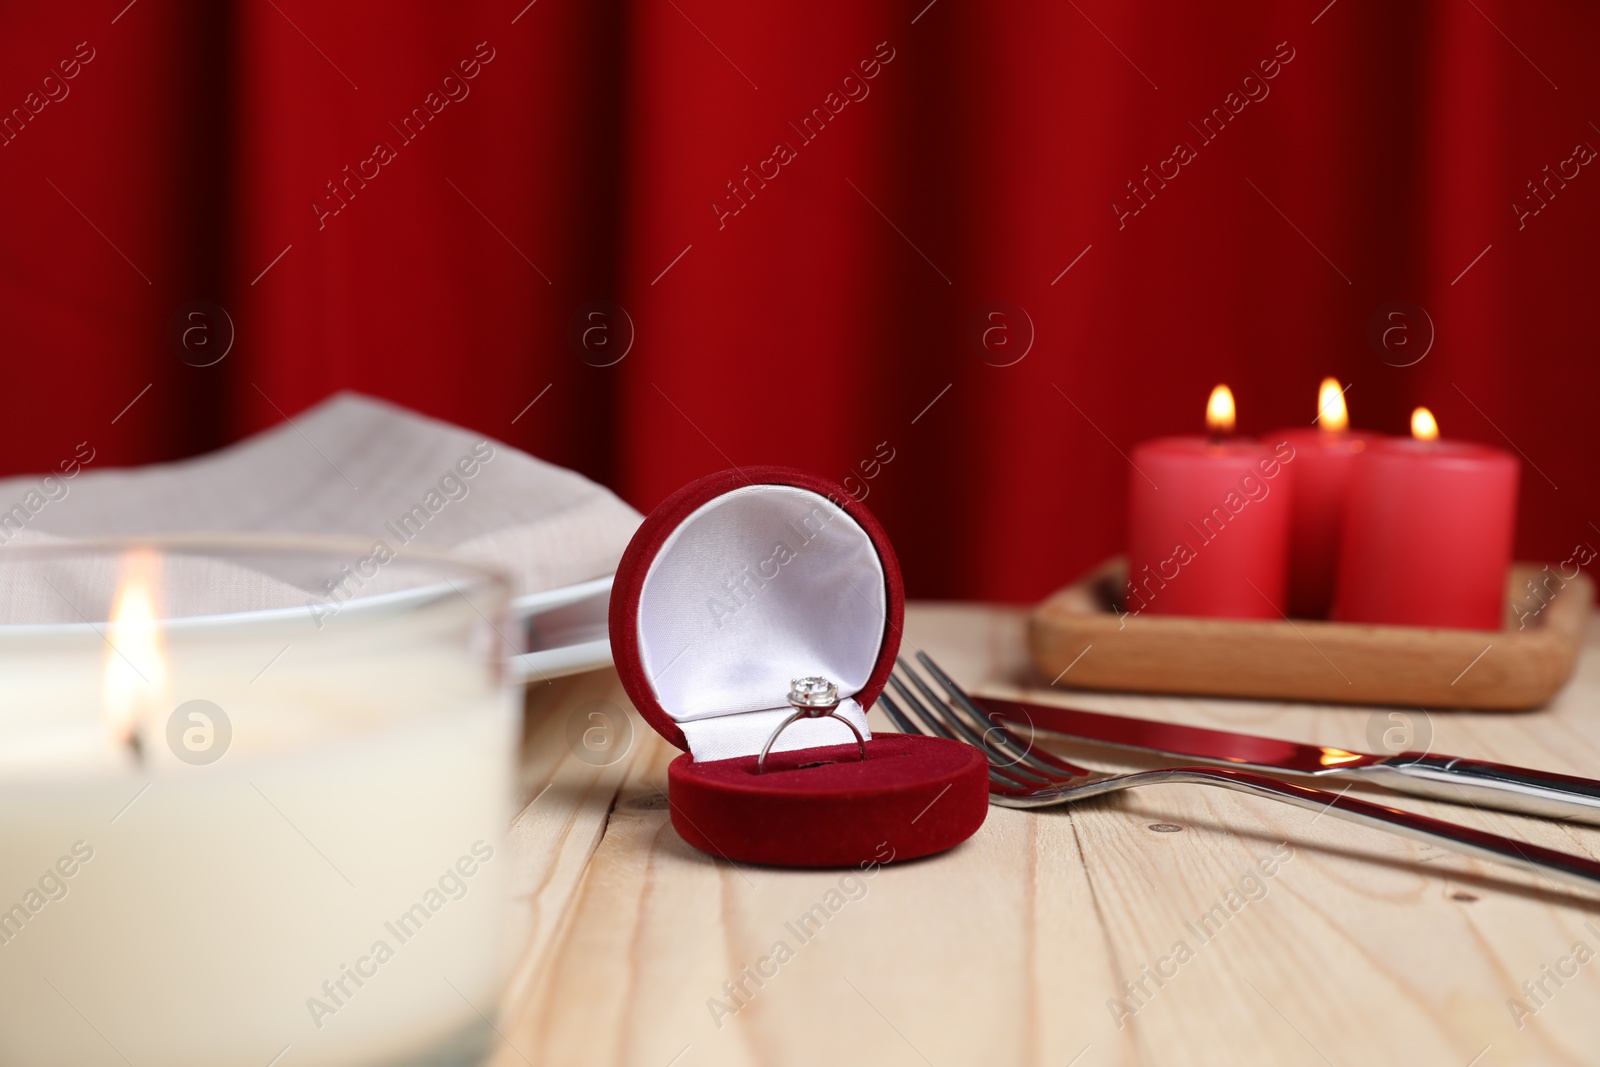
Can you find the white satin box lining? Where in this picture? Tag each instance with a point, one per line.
(759, 586)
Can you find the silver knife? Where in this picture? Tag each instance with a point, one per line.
(1426, 774)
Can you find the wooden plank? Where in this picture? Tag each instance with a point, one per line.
(567, 801)
(1520, 667)
(1018, 946)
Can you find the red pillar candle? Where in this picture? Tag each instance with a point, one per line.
(1324, 456)
(1208, 522)
(1427, 534)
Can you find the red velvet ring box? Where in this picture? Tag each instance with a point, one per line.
(735, 585)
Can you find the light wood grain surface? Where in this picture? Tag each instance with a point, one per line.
(1019, 947)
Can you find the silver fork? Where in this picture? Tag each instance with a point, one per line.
(1022, 777)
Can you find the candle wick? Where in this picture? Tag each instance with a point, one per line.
(135, 743)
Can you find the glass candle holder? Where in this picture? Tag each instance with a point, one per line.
(253, 796)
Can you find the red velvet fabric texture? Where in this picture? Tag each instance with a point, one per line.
(913, 796)
(660, 524)
(984, 169)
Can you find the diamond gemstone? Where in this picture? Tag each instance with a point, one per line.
(813, 691)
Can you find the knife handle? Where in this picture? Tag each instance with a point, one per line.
(1490, 785)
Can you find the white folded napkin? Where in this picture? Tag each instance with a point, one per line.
(352, 466)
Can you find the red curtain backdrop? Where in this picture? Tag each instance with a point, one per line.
(914, 244)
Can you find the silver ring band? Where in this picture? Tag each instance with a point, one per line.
(809, 713)
(812, 698)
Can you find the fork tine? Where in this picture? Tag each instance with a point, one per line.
(932, 708)
(1002, 784)
(916, 679)
(901, 722)
(1040, 760)
(935, 724)
(1004, 767)
(936, 713)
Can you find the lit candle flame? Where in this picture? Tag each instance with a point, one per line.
(1424, 427)
(136, 662)
(1331, 412)
(1219, 412)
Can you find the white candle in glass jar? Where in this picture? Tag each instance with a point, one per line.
(333, 885)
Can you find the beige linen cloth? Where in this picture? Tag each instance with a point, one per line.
(353, 466)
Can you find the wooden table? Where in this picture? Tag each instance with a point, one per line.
(1074, 936)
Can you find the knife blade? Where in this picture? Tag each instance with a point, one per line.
(1480, 783)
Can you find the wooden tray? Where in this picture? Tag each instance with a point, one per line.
(1325, 662)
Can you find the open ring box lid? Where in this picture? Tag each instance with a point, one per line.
(736, 584)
